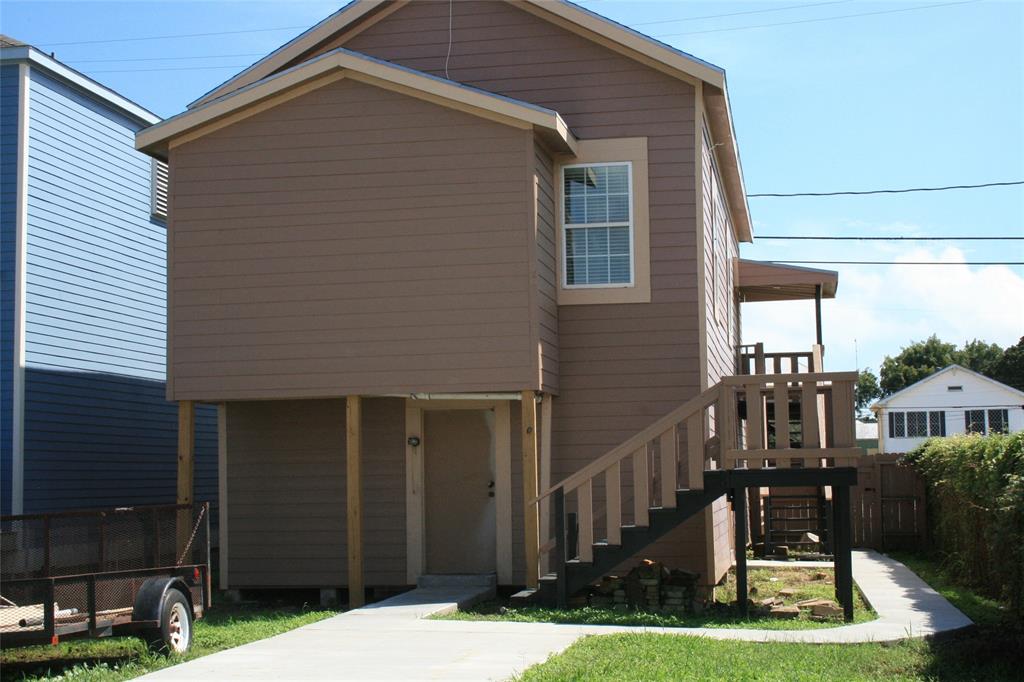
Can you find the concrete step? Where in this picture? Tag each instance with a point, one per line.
(487, 580)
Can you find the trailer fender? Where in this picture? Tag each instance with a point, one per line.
(151, 594)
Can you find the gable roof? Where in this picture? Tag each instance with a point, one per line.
(998, 384)
(341, 63)
(15, 51)
(582, 21)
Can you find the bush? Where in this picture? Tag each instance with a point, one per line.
(976, 507)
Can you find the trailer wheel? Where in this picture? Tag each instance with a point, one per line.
(175, 632)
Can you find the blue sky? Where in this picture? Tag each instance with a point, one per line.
(930, 96)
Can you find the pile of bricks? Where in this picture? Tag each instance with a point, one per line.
(650, 586)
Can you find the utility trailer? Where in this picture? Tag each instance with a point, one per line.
(97, 573)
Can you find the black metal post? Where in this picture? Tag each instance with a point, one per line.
(49, 617)
(843, 559)
(739, 507)
(817, 311)
(90, 601)
(768, 549)
(561, 588)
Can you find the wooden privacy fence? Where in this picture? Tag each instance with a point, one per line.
(888, 505)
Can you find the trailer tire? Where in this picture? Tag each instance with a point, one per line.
(174, 635)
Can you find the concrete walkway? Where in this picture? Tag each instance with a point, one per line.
(391, 640)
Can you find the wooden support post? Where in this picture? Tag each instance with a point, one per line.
(843, 559)
(739, 506)
(817, 312)
(561, 588)
(531, 541)
(354, 494)
(546, 419)
(186, 470)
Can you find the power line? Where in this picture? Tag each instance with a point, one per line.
(709, 16)
(891, 262)
(295, 28)
(880, 239)
(736, 14)
(177, 35)
(886, 191)
(170, 68)
(811, 21)
(163, 59)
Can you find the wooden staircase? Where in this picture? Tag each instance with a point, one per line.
(686, 460)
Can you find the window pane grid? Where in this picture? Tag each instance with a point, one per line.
(597, 218)
(997, 421)
(917, 424)
(975, 421)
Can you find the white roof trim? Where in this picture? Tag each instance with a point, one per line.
(32, 56)
(153, 140)
(885, 401)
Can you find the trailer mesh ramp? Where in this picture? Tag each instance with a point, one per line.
(89, 565)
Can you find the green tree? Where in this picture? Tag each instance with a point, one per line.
(1010, 368)
(866, 391)
(915, 362)
(981, 357)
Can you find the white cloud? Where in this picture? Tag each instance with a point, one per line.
(880, 309)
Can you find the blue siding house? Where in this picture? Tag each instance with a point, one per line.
(85, 420)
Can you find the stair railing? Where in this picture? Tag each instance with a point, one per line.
(655, 458)
(821, 429)
(727, 426)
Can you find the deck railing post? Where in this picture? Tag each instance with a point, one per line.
(561, 589)
(739, 506)
(843, 559)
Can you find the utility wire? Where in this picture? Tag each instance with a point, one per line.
(709, 16)
(164, 59)
(881, 239)
(736, 14)
(171, 68)
(175, 35)
(886, 191)
(890, 262)
(811, 21)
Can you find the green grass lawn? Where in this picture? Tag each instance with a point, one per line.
(993, 652)
(122, 658)
(805, 581)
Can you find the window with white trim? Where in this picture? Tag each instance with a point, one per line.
(998, 421)
(917, 424)
(987, 421)
(597, 225)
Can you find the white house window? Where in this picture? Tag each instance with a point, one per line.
(974, 420)
(598, 225)
(998, 421)
(917, 424)
(897, 425)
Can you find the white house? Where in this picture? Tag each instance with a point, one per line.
(951, 401)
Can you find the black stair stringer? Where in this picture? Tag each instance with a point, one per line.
(636, 538)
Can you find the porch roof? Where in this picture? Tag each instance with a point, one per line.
(768, 281)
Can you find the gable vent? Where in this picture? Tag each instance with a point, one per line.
(954, 388)
(158, 190)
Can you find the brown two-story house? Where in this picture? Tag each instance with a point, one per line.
(446, 268)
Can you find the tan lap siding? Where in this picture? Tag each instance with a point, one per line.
(351, 240)
(547, 277)
(286, 493)
(619, 366)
